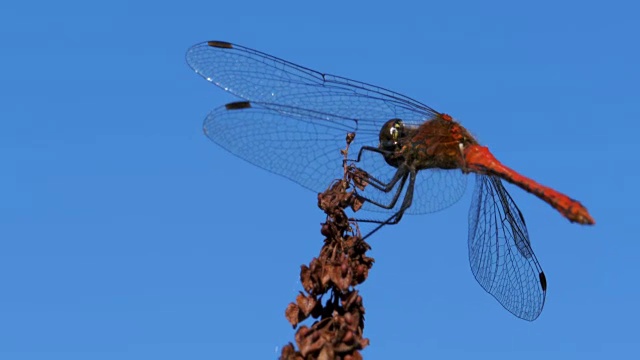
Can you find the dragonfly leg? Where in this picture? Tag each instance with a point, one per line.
(372, 149)
(401, 175)
(377, 183)
(406, 203)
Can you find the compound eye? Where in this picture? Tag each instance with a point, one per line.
(394, 133)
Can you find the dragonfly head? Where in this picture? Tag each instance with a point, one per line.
(390, 134)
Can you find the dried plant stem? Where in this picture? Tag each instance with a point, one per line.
(341, 265)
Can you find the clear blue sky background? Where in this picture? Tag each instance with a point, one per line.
(126, 234)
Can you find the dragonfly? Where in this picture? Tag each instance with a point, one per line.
(292, 121)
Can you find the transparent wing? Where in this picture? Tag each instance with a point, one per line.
(500, 252)
(314, 111)
(262, 78)
(434, 190)
(304, 146)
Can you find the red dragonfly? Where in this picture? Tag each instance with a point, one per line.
(293, 123)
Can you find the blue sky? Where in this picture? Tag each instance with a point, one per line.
(126, 234)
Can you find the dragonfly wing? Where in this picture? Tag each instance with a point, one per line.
(500, 252)
(259, 77)
(437, 189)
(303, 147)
(327, 106)
(434, 190)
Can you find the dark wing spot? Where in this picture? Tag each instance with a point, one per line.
(220, 44)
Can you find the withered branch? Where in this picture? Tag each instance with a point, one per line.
(330, 279)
